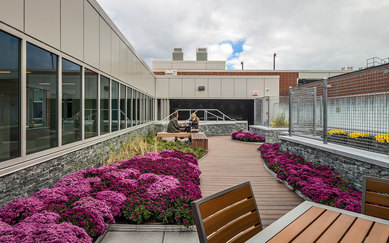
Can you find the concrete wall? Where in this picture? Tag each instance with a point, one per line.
(83, 31)
(224, 87)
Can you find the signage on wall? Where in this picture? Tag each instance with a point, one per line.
(255, 92)
(171, 72)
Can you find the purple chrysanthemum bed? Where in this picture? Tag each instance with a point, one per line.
(156, 187)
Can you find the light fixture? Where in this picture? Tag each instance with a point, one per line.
(28, 72)
(44, 83)
(5, 72)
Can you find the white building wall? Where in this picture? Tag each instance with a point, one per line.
(72, 28)
(221, 87)
(78, 30)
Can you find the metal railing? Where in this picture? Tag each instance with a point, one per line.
(375, 61)
(205, 115)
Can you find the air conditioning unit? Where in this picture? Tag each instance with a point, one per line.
(347, 68)
(202, 54)
(178, 54)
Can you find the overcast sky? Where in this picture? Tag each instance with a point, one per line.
(305, 34)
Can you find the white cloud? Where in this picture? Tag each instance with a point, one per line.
(309, 34)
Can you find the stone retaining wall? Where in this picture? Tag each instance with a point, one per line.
(270, 134)
(23, 183)
(342, 160)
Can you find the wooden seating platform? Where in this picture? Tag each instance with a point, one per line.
(161, 135)
(198, 139)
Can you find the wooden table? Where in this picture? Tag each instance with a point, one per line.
(313, 222)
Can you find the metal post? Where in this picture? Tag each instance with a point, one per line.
(205, 115)
(268, 111)
(298, 111)
(325, 117)
(314, 112)
(321, 111)
(290, 111)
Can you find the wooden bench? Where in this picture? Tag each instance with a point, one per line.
(199, 140)
(161, 135)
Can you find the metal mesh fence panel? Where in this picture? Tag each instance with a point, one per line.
(357, 107)
(272, 111)
(304, 111)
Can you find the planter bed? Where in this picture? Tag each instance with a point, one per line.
(155, 187)
(247, 137)
(364, 141)
(318, 183)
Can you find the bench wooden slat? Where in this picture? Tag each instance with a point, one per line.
(240, 225)
(210, 207)
(224, 217)
(358, 231)
(377, 211)
(377, 186)
(313, 232)
(377, 198)
(336, 231)
(379, 233)
(294, 229)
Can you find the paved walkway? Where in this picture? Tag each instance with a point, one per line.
(228, 163)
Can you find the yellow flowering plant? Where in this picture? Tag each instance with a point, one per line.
(382, 138)
(337, 132)
(357, 135)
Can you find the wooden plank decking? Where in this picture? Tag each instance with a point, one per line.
(229, 163)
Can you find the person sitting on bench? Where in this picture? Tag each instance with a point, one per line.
(173, 126)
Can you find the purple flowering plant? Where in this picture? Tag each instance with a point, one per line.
(320, 183)
(155, 187)
(247, 136)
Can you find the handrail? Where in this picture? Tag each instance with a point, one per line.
(373, 61)
(207, 113)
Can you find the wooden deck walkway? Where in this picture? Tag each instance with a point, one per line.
(229, 163)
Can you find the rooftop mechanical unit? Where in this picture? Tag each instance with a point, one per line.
(178, 54)
(201, 54)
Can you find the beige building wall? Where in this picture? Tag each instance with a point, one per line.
(216, 87)
(79, 30)
(163, 65)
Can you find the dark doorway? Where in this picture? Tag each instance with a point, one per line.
(240, 110)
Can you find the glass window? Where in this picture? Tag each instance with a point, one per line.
(91, 92)
(104, 105)
(134, 104)
(122, 106)
(147, 109)
(138, 106)
(115, 106)
(71, 102)
(9, 96)
(129, 106)
(41, 99)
